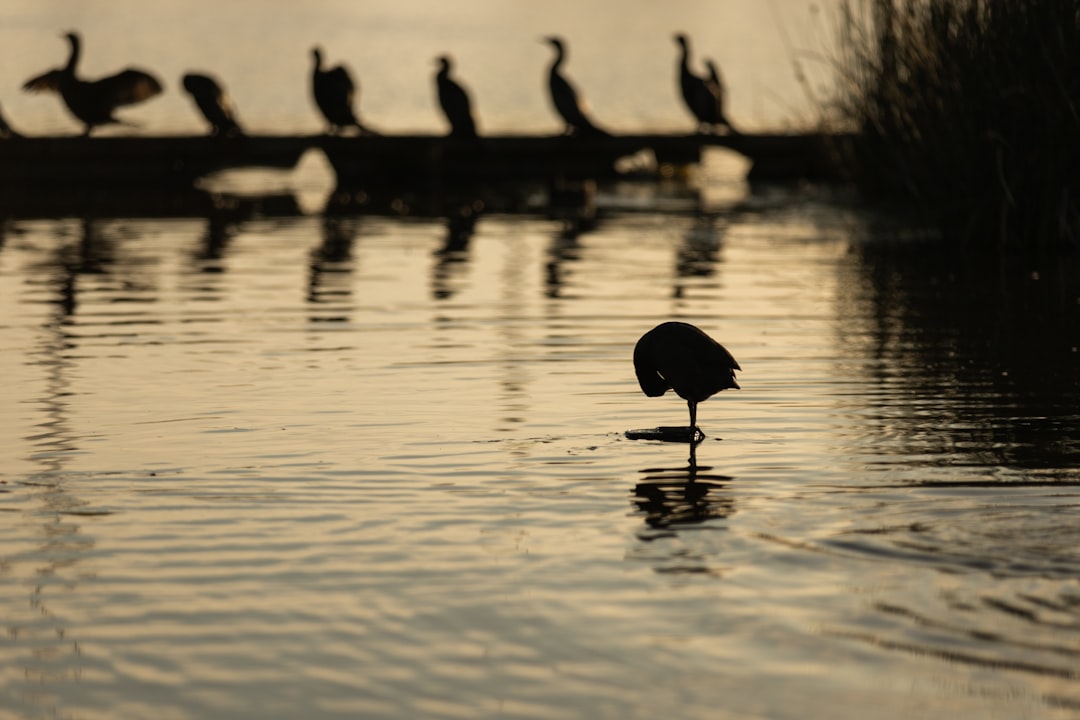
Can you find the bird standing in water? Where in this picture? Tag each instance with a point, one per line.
(93, 101)
(678, 356)
(454, 101)
(703, 96)
(565, 98)
(334, 92)
(214, 103)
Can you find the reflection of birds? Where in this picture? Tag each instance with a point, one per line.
(214, 103)
(455, 102)
(5, 130)
(93, 101)
(680, 357)
(565, 97)
(703, 96)
(334, 92)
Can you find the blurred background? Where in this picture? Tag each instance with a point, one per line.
(621, 55)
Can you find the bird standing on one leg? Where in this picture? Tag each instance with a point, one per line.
(678, 356)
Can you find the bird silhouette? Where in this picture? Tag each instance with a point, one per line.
(214, 103)
(678, 356)
(335, 92)
(454, 101)
(94, 101)
(566, 99)
(703, 96)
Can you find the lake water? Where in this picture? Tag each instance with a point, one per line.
(265, 462)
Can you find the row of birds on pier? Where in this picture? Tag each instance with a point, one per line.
(93, 102)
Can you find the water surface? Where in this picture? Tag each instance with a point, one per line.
(361, 466)
(259, 461)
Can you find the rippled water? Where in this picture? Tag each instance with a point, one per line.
(261, 463)
(376, 467)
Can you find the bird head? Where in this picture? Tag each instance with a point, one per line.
(554, 41)
(444, 62)
(681, 40)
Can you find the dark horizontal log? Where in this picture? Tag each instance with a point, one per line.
(420, 161)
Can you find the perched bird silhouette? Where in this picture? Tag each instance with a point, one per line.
(678, 356)
(565, 97)
(93, 101)
(454, 101)
(703, 96)
(335, 92)
(214, 103)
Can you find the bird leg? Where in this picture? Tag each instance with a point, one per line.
(693, 422)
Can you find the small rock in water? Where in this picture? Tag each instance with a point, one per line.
(667, 433)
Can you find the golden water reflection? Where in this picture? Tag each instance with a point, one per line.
(391, 451)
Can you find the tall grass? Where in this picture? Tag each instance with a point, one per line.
(969, 110)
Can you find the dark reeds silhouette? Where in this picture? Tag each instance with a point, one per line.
(678, 356)
(967, 112)
(565, 97)
(704, 96)
(454, 101)
(335, 93)
(214, 103)
(6, 130)
(94, 101)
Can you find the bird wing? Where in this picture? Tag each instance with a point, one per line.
(127, 87)
(567, 101)
(47, 82)
(341, 77)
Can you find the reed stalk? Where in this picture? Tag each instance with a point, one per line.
(969, 111)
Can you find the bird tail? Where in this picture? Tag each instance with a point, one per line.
(589, 130)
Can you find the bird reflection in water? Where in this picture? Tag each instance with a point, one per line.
(224, 215)
(682, 496)
(699, 252)
(92, 254)
(331, 266)
(565, 249)
(453, 254)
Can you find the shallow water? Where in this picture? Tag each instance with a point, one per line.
(342, 467)
(262, 463)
